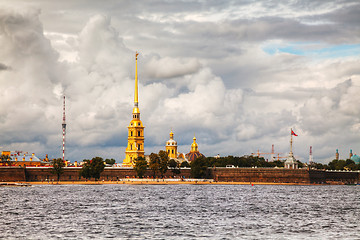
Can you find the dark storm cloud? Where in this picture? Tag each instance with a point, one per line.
(346, 16)
(174, 27)
(4, 67)
(266, 28)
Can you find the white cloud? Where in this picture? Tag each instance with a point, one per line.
(206, 73)
(27, 109)
(169, 67)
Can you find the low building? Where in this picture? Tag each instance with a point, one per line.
(23, 159)
(291, 162)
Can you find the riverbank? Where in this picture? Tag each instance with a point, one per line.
(147, 182)
(114, 175)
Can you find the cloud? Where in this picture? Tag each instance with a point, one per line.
(100, 45)
(98, 83)
(330, 119)
(4, 67)
(169, 67)
(204, 69)
(27, 110)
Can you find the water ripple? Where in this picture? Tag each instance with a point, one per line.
(180, 212)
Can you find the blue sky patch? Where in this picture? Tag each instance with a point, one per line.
(315, 50)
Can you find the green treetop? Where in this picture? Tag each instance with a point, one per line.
(58, 167)
(140, 166)
(92, 168)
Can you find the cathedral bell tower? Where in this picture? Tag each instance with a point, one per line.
(135, 146)
(171, 147)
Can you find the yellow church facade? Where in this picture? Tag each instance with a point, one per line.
(135, 146)
(171, 147)
(135, 143)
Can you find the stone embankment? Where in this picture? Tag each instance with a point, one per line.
(217, 175)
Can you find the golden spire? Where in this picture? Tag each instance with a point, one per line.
(136, 100)
(135, 147)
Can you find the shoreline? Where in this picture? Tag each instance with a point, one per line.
(137, 182)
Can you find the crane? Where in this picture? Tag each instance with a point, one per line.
(272, 153)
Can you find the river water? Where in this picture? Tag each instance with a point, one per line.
(180, 212)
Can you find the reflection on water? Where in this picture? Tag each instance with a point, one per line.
(180, 212)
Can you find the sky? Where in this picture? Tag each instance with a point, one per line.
(236, 74)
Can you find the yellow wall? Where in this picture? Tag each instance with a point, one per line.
(171, 151)
(135, 146)
(6, 153)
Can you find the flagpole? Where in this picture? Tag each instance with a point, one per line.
(291, 140)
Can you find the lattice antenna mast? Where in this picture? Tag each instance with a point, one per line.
(63, 131)
(310, 156)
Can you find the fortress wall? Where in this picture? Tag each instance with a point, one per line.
(270, 175)
(281, 175)
(109, 174)
(317, 176)
(44, 174)
(342, 176)
(12, 174)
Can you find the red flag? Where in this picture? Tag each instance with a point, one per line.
(292, 133)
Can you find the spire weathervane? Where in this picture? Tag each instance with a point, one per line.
(136, 100)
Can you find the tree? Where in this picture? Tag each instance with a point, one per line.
(351, 166)
(163, 164)
(85, 170)
(110, 161)
(140, 166)
(199, 168)
(97, 167)
(277, 163)
(5, 160)
(154, 163)
(337, 164)
(300, 164)
(185, 164)
(92, 168)
(58, 167)
(174, 166)
(319, 166)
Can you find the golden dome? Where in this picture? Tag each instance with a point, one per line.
(136, 110)
(194, 146)
(171, 135)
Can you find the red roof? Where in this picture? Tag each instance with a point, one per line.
(191, 156)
